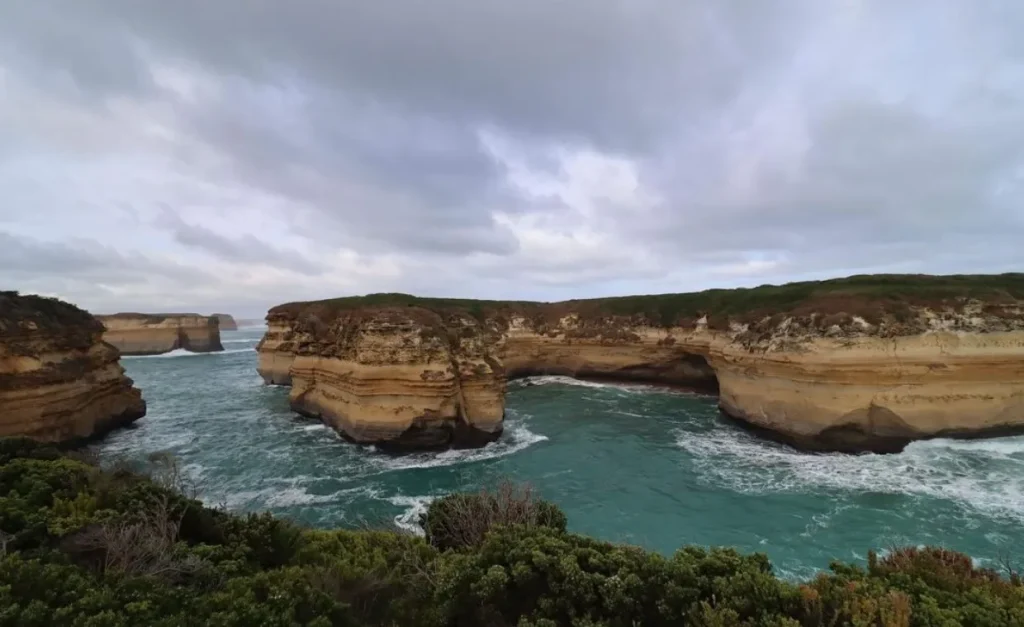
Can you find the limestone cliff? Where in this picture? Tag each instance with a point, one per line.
(58, 380)
(226, 322)
(858, 364)
(153, 334)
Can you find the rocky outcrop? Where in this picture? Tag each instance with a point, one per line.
(59, 381)
(153, 334)
(850, 365)
(226, 322)
(401, 378)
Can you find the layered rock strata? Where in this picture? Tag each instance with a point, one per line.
(226, 322)
(835, 373)
(59, 381)
(153, 334)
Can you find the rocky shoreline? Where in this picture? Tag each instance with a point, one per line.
(840, 367)
(59, 381)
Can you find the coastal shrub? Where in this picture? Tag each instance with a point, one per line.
(459, 521)
(83, 545)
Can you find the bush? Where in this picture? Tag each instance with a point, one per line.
(85, 546)
(460, 521)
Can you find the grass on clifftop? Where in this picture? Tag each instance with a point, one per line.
(47, 314)
(110, 548)
(870, 296)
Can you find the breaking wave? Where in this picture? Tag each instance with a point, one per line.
(985, 475)
(517, 437)
(181, 352)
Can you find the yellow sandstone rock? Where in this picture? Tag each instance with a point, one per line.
(58, 380)
(433, 373)
(153, 334)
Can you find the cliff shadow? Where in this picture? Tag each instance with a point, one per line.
(688, 371)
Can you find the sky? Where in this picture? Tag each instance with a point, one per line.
(232, 155)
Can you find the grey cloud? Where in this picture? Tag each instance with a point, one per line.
(27, 258)
(245, 249)
(825, 138)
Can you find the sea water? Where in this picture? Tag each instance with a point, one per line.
(633, 464)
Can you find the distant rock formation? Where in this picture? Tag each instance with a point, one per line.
(58, 380)
(227, 323)
(153, 334)
(859, 364)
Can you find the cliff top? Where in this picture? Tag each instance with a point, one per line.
(151, 317)
(26, 311)
(873, 297)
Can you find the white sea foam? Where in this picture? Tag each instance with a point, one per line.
(315, 427)
(623, 387)
(414, 506)
(516, 438)
(181, 352)
(244, 340)
(293, 494)
(984, 475)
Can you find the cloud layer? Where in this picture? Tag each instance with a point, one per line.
(236, 154)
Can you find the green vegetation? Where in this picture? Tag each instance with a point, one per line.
(47, 314)
(872, 296)
(89, 547)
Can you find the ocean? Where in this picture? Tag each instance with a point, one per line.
(635, 464)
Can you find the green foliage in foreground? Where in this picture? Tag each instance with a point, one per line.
(87, 547)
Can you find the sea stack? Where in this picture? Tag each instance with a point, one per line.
(59, 381)
(862, 364)
(227, 323)
(154, 334)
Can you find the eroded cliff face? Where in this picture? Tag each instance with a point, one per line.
(153, 334)
(821, 381)
(59, 381)
(405, 378)
(226, 322)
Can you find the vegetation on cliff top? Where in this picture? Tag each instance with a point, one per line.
(870, 296)
(84, 546)
(26, 313)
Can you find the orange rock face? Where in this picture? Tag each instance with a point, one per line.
(417, 377)
(59, 381)
(153, 334)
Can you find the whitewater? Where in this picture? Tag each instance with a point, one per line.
(635, 464)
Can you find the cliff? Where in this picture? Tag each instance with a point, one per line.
(58, 380)
(152, 334)
(866, 363)
(226, 322)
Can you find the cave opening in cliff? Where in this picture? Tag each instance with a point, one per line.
(695, 371)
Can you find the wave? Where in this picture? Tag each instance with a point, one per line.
(984, 475)
(181, 352)
(517, 437)
(616, 386)
(414, 506)
(245, 340)
(294, 494)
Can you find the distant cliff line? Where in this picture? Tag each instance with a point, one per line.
(154, 334)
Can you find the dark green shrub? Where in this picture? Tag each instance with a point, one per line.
(459, 521)
(86, 546)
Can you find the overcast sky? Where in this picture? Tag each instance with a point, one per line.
(234, 154)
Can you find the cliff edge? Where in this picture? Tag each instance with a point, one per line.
(866, 363)
(59, 381)
(226, 322)
(153, 334)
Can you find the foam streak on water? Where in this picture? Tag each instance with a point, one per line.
(631, 463)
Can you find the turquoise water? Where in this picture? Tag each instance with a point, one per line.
(634, 464)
